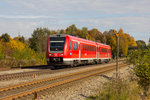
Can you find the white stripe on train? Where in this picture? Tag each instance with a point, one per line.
(71, 59)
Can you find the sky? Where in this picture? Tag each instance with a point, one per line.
(21, 17)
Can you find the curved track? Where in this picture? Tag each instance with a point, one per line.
(30, 74)
(29, 88)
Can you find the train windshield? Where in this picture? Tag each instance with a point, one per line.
(57, 43)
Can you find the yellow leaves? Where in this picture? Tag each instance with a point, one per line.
(16, 38)
(16, 45)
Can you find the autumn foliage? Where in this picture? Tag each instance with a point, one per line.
(14, 52)
(33, 49)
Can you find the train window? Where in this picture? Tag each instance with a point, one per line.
(70, 47)
(90, 48)
(83, 47)
(102, 50)
(74, 46)
(87, 48)
(109, 50)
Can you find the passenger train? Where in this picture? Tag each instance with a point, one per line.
(69, 50)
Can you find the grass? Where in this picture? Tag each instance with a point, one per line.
(119, 89)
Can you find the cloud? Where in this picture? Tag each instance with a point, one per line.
(22, 16)
(25, 15)
(17, 27)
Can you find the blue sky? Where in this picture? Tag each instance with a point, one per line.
(23, 16)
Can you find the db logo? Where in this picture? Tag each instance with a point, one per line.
(55, 55)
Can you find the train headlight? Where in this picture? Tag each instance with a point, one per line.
(50, 54)
(61, 54)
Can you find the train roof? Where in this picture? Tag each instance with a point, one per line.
(101, 44)
(80, 39)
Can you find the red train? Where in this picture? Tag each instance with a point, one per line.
(70, 50)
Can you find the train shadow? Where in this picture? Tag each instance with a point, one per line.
(106, 77)
(43, 67)
(36, 67)
(88, 97)
(53, 67)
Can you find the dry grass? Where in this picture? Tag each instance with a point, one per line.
(120, 89)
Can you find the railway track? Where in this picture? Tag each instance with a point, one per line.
(27, 89)
(23, 74)
(30, 74)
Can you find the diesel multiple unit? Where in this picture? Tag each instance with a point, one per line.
(70, 50)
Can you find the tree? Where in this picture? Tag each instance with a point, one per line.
(71, 29)
(140, 59)
(140, 43)
(123, 44)
(149, 43)
(84, 32)
(5, 37)
(99, 37)
(62, 31)
(22, 39)
(92, 33)
(38, 40)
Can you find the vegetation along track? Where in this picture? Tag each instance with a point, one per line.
(30, 74)
(29, 88)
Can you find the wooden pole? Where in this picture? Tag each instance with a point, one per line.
(117, 57)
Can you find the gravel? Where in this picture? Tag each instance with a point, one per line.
(29, 79)
(17, 71)
(78, 91)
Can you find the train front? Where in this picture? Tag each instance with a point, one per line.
(55, 49)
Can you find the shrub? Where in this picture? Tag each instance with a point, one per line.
(120, 89)
(140, 58)
(1, 52)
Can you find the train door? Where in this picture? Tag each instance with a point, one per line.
(97, 48)
(79, 52)
(108, 52)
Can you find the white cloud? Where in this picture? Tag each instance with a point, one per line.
(22, 16)
(14, 28)
(25, 15)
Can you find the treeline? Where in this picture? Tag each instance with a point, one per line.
(27, 51)
(16, 52)
(38, 40)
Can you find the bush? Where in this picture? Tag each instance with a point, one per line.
(29, 56)
(140, 58)
(1, 53)
(120, 89)
(15, 53)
